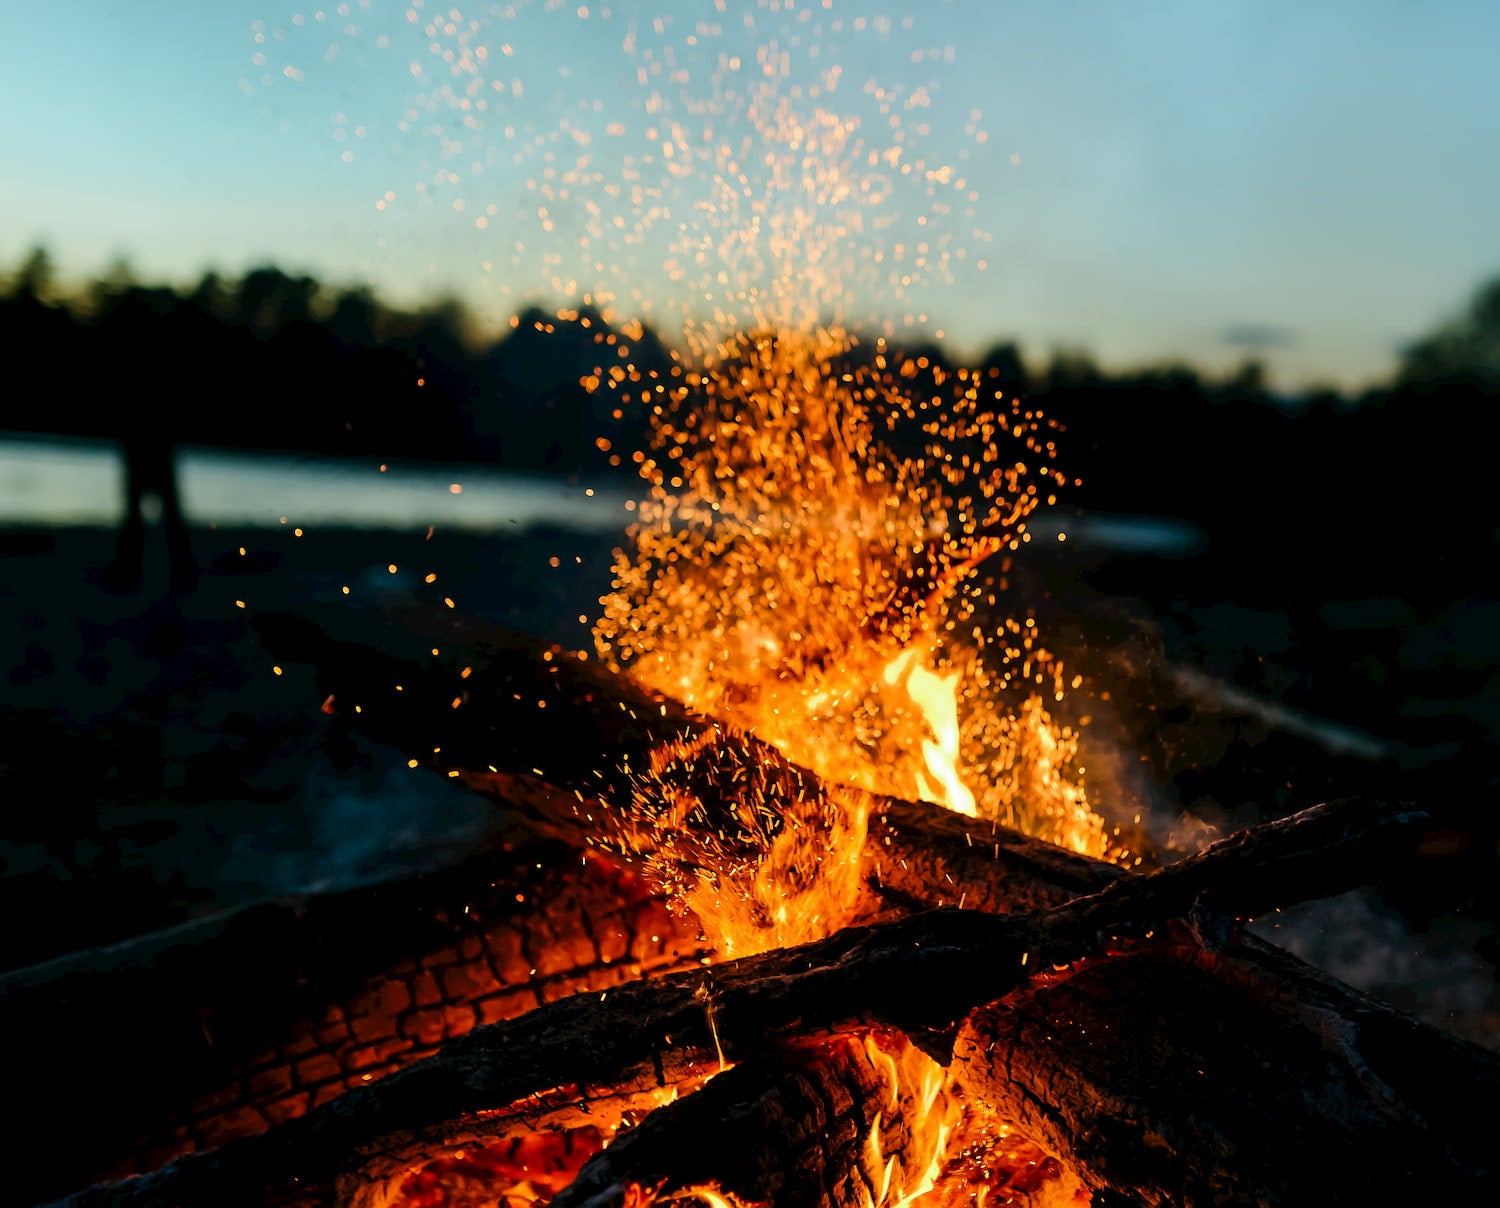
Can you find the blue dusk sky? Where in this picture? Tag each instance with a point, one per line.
(1310, 181)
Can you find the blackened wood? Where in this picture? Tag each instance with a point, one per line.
(190, 1038)
(1162, 1076)
(565, 742)
(921, 974)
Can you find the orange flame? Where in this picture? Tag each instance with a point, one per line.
(818, 516)
(921, 1104)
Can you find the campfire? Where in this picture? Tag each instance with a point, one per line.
(782, 935)
(807, 900)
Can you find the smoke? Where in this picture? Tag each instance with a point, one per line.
(1434, 974)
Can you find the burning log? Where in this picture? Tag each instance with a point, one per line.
(924, 856)
(853, 1120)
(815, 1122)
(559, 739)
(921, 974)
(223, 1031)
(225, 1028)
(592, 1063)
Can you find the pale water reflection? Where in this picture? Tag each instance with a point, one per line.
(57, 482)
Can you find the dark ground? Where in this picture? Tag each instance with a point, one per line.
(154, 767)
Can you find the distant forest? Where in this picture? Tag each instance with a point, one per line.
(277, 361)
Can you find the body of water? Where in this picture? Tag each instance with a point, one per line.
(62, 482)
(54, 482)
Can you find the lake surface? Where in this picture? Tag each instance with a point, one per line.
(54, 482)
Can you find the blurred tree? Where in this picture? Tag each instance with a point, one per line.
(270, 299)
(210, 297)
(36, 279)
(1463, 351)
(442, 328)
(1248, 382)
(1172, 378)
(1005, 369)
(356, 317)
(104, 294)
(1072, 369)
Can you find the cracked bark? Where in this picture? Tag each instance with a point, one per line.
(224, 1029)
(1162, 1074)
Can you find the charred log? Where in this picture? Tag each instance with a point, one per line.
(572, 1062)
(563, 741)
(1160, 1075)
(921, 974)
(223, 1029)
(812, 1124)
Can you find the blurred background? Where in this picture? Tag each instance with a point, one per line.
(297, 307)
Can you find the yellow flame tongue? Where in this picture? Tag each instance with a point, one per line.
(937, 697)
(922, 1111)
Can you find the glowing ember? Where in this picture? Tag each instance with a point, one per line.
(788, 850)
(531, 1167)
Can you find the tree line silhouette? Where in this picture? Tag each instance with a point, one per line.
(279, 361)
